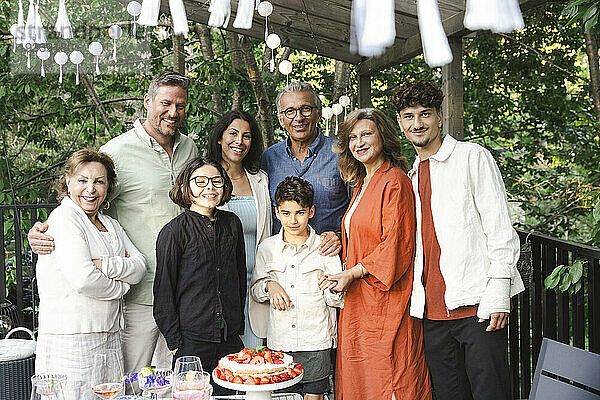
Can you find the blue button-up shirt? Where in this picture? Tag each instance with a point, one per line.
(320, 169)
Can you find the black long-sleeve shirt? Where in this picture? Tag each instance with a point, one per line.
(200, 281)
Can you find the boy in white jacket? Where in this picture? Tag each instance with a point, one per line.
(302, 321)
(467, 249)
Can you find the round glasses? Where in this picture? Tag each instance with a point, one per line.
(202, 181)
(305, 111)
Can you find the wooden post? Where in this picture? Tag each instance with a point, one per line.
(364, 91)
(452, 85)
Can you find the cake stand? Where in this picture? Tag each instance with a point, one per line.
(257, 392)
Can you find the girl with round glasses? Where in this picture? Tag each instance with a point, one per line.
(200, 281)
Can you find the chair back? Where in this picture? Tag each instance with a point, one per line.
(571, 365)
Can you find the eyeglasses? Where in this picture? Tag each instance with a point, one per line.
(202, 181)
(305, 111)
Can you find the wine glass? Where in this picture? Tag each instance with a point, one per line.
(155, 383)
(187, 363)
(192, 385)
(48, 386)
(107, 374)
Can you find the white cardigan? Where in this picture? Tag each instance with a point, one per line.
(75, 297)
(259, 183)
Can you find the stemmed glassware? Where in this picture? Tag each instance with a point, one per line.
(48, 387)
(187, 363)
(155, 383)
(107, 374)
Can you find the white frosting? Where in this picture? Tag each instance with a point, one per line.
(248, 369)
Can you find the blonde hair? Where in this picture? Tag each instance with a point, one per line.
(85, 156)
(352, 170)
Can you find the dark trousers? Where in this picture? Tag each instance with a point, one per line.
(209, 354)
(465, 361)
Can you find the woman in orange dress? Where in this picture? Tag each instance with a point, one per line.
(380, 348)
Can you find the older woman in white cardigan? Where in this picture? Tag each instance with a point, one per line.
(82, 282)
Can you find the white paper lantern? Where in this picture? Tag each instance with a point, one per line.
(327, 112)
(115, 32)
(95, 48)
(337, 108)
(28, 45)
(14, 29)
(76, 58)
(273, 41)
(344, 100)
(61, 59)
(285, 67)
(43, 54)
(265, 8)
(134, 9)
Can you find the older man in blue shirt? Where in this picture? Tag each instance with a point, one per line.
(307, 153)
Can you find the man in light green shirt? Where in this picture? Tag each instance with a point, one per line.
(147, 160)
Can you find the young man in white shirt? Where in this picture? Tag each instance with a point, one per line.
(467, 249)
(302, 319)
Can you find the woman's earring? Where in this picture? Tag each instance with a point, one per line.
(106, 205)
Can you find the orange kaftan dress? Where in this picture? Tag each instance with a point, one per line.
(380, 347)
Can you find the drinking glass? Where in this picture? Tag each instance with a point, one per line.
(48, 386)
(187, 363)
(107, 374)
(76, 390)
(192, 385)
(156, 383)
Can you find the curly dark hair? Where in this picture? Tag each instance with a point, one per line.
(417, 93)
(295, 189)
(181, 194)
(252, 159)
(82, 156)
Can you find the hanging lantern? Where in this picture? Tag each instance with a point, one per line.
(344, 102)
(43, 54)
(76, 58)
(63, 25)
(134, 9)
(115, 32)
(13, 31)
(264, 10)
(273, 42)
(95, 49)
(285, 67)
(28, 45)
(61, 59)
(244, 14)
(327, 113)
(180, 23)
(337, 110)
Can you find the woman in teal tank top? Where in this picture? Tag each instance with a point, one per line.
(236, 143)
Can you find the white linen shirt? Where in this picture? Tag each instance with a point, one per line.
(479, 246)
(310, 323)
(75, 297)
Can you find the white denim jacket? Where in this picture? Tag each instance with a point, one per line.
(479, 246)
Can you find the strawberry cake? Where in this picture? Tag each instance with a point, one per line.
(257, 366)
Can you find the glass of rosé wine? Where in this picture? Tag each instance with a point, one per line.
(107, 373)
